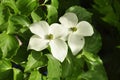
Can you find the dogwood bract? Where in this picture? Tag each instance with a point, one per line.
(75, 31)
(45, 36)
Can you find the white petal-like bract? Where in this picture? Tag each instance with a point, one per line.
(69, 20)
(84, 28)
(57, 30)
(40, 28)
(37, 43)
(76, 43)
(59, 49)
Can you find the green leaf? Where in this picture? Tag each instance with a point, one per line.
(92, 75)
(67, 66)
(17, 74)
(54, 68)
(12, 29)
(5, 13)
(35, 17)
(118, 46)
(5, 65)
(112, 19)
(26, 6)
(22, 20)
(116, 7)
(1, 14)
(102, 3)
(35, 75)
(110, 11)
(5, 69)
(0, 54)
(21, 55)
(8, 45)
(52, 14)
(72, 67)
(82, 13)
(11, 4)
(35, 60)
(15, 23)
(55, 3)
(39, 14)
(93, 43)
(95, 68)
(3, 27)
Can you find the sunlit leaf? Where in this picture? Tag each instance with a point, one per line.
(17, 74)
(5, 65)
(54, 68)
(52, 14)
(8, 45)
(35, 75)
(1, 14)
(35, 17)
(5, 69)
(55, 3)
(11, 28)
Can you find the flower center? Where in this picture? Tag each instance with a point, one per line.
(73, 29)
(49, 36)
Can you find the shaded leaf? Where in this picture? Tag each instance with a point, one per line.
(17, 23)
(11, 4)
(54, 68)
(95, 68)
(21, 55)
(67, 66)
(8, 45)
(26, 6)
(110, 11)
(74, 68)
(22, 20)
(93, 43)
(5, 14)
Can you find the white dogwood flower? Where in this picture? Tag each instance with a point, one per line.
(75, 31)
(45, 36)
